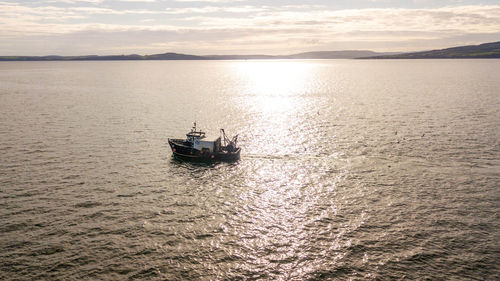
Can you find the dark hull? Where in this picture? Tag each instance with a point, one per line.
(182, 150)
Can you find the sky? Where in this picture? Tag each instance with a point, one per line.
(217, 27)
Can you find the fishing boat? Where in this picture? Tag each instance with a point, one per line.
(198, 147)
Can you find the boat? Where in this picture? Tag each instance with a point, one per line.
(198, 147)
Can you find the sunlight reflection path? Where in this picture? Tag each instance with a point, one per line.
(290, 186)
(279, 100)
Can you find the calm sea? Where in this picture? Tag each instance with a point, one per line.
(349, 170)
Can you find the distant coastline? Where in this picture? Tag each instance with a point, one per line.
(487, 50)
(177, 56)
(482, 51)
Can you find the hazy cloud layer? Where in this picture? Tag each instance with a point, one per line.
(74, 27)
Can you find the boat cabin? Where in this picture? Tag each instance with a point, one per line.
(203, 143)
(206, 144)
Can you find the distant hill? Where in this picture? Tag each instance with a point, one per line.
(336, 55)
(309, 55)
(172, 56)
(166, 56)
(176, 56)
(487, 50)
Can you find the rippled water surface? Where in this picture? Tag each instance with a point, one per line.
(349, 169)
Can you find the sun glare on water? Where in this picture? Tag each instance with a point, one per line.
(274, 86)
(277, 98)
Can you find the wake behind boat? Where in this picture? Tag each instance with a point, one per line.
(198, 147)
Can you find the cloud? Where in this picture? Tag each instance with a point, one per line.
(241, 28)
(212, 1)
(138, 1)
(212, 9)
(327, 23)
(72, 1)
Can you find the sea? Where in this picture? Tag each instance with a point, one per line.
(349, 170)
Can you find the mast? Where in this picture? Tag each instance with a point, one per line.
(226, 140)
